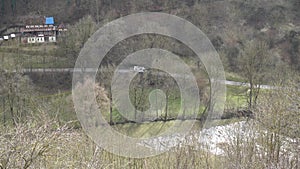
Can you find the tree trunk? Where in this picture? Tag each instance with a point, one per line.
(250, 95)
(4, 114)
(110, 108)
(135, 102)
(167, 102)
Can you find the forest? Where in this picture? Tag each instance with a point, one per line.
(258, 43)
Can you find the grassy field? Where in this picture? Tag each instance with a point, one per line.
(236, 96)
(234, 77)
(64, 105)
(34, 56)
(61, 105)
(150, 129)
(62, 148)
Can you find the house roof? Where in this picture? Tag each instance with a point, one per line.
(49, 21)
(61, 26)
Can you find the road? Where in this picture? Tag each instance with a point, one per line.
(92, 70)
(233, 83)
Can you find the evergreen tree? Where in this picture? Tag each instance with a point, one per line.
(2, 6)
(13, 6)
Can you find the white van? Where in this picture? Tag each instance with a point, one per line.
(139, 69)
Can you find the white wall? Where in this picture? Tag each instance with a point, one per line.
(52, 39)
(31, 40)
(40, 39)
(35, 40)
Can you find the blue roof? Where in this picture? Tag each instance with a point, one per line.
(49, 20)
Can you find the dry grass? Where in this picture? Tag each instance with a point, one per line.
(44, 144)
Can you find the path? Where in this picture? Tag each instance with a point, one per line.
(91, 70)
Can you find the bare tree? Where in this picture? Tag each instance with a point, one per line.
(15, 89)
(105, 76)
(271, 140)
(24, 145)
(254, 63)
(76, 37)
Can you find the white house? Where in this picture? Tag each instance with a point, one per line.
(47, 32)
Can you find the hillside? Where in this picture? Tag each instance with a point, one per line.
(228, 23)
(255, 13)
(53, 116)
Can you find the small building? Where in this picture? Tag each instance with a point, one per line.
(46, 32)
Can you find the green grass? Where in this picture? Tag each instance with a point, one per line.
(41, 56)
(144, 130)
(15, 47)
(61, 106)
(33, 56)
(234, 77)
(34, 61)
(223, 122)
(151, 129)
(236, 96)
(174, 106)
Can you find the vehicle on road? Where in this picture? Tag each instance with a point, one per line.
(139, 69)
